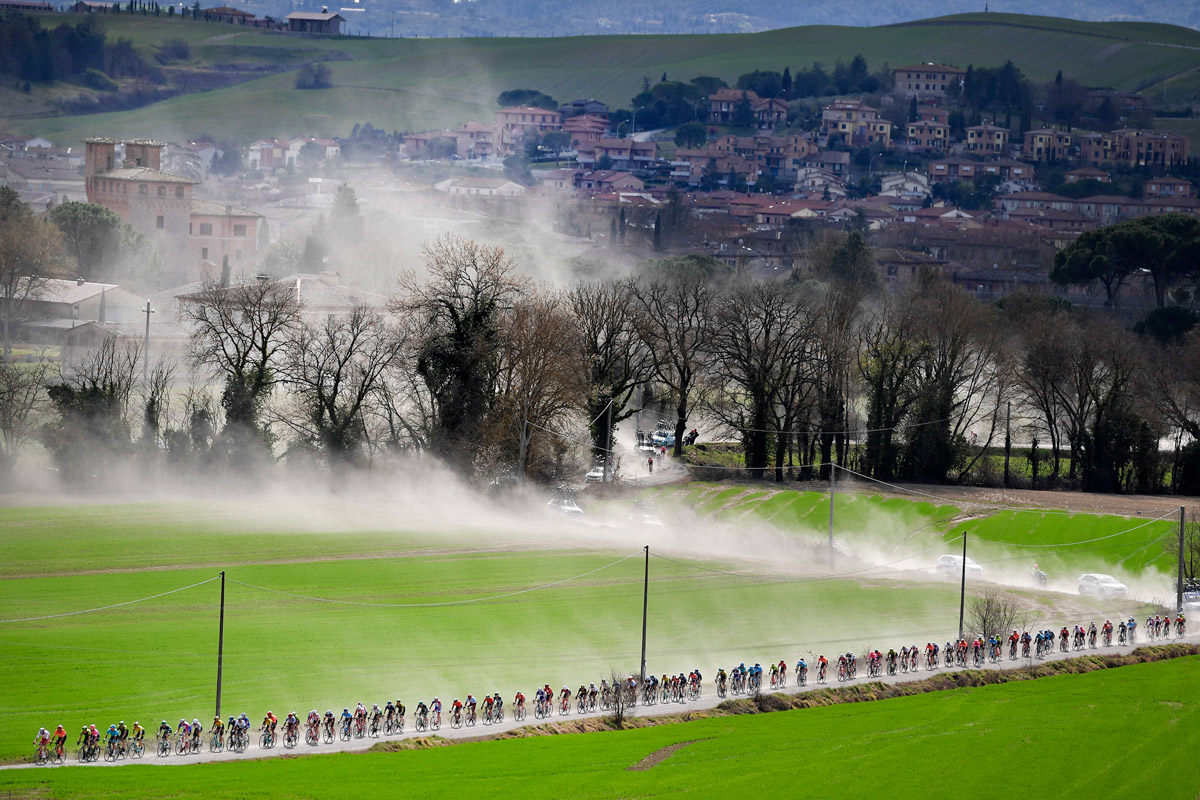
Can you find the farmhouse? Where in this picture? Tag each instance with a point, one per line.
(312, 22)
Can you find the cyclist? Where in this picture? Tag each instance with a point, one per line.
(197, 729)
(498, 702)
(389, 713)
(218, 728)
(541, 698)
(360, 716)
(488, 705)
(456, 709)
(329, 722)
(519, 700)
(1132, 626)
(347, 720)
(291, 725)
(184, 730)
(112, 737)
(139, 733)
(471, 703)
(1180, 624)
(891, 660)
(436, 708)
(376, 714)
(422, 710)
(774, 673)
(42, 740)
(822, 665)
(582, 694)
(268, 726)
(399, 713)
(164, 731)
(93, 735)
(566, 698)
(60, 738)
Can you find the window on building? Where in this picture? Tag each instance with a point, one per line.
(142, 189)
(158, 222)
(239, 230)
(162, 191)
(204, 253)
(179, 191)
(206, 229)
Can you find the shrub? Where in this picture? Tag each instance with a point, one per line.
(95, 79)
(313, 76)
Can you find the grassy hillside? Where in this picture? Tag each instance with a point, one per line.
(1127, 732)
(420, 83)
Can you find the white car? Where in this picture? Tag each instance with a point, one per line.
(564, 505)
(952, 566)
(1191, 601)
(595, 475)
(1101, 585)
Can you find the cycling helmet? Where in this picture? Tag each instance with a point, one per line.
(328, 711)
(183, 722)
(345, 711)
(164, 722)
(374, 705)
(194, 722)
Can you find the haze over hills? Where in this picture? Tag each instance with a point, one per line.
(576, 17)
(417, 84)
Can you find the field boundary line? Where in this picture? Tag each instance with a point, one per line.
(113, 605)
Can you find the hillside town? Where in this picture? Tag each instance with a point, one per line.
(934, 180)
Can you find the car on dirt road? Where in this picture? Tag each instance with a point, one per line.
(951, 566)
(1098, 584)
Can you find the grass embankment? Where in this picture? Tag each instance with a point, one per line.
(1129, 732)
(410, 84)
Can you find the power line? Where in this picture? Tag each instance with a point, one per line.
(950, 501)
(833, 576)
(434, 605)
(114, 605)
(1085, 541)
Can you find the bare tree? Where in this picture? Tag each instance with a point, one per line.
(337, 369)
(993, 613)
(889, 352)
(539, 381)
(620, 701)
(240, 333)
(760, 332)
(458, 311)
(22, 400)
(676, 299)
(156, 396)
(614, 359)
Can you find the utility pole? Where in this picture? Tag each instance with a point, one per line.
(1007, 443)
(1179, 577)
(146, 345)
(645, 606)
(962, 592)
(832, 491)
(220, 643)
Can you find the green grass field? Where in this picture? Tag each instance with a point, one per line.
(411, 84)
(157, 659)
(1126, 732)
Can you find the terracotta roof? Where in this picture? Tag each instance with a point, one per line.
(145, 174)
(210, 208)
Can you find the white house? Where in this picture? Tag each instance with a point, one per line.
(912, 185)
(481, 187)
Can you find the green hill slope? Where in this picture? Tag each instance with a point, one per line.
(412, 84)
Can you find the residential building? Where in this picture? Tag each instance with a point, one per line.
(585, 130)
(834, 161)
(987, 140)
(1046, 144)
(329, 148)
(948, 170)
(430, 143)
(480, 187)
(1088, 173)
(624, 154)
(1142, 147)
(925, 136)
(768, 112)
(927, 80)
(267, 154)
(512, 122)
(313, 22)
(607, 181)
(590, 106)
(911, 185)
(218, 231)
(228, 14)
(1168, 187)
(475, 140)
(856, 123)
